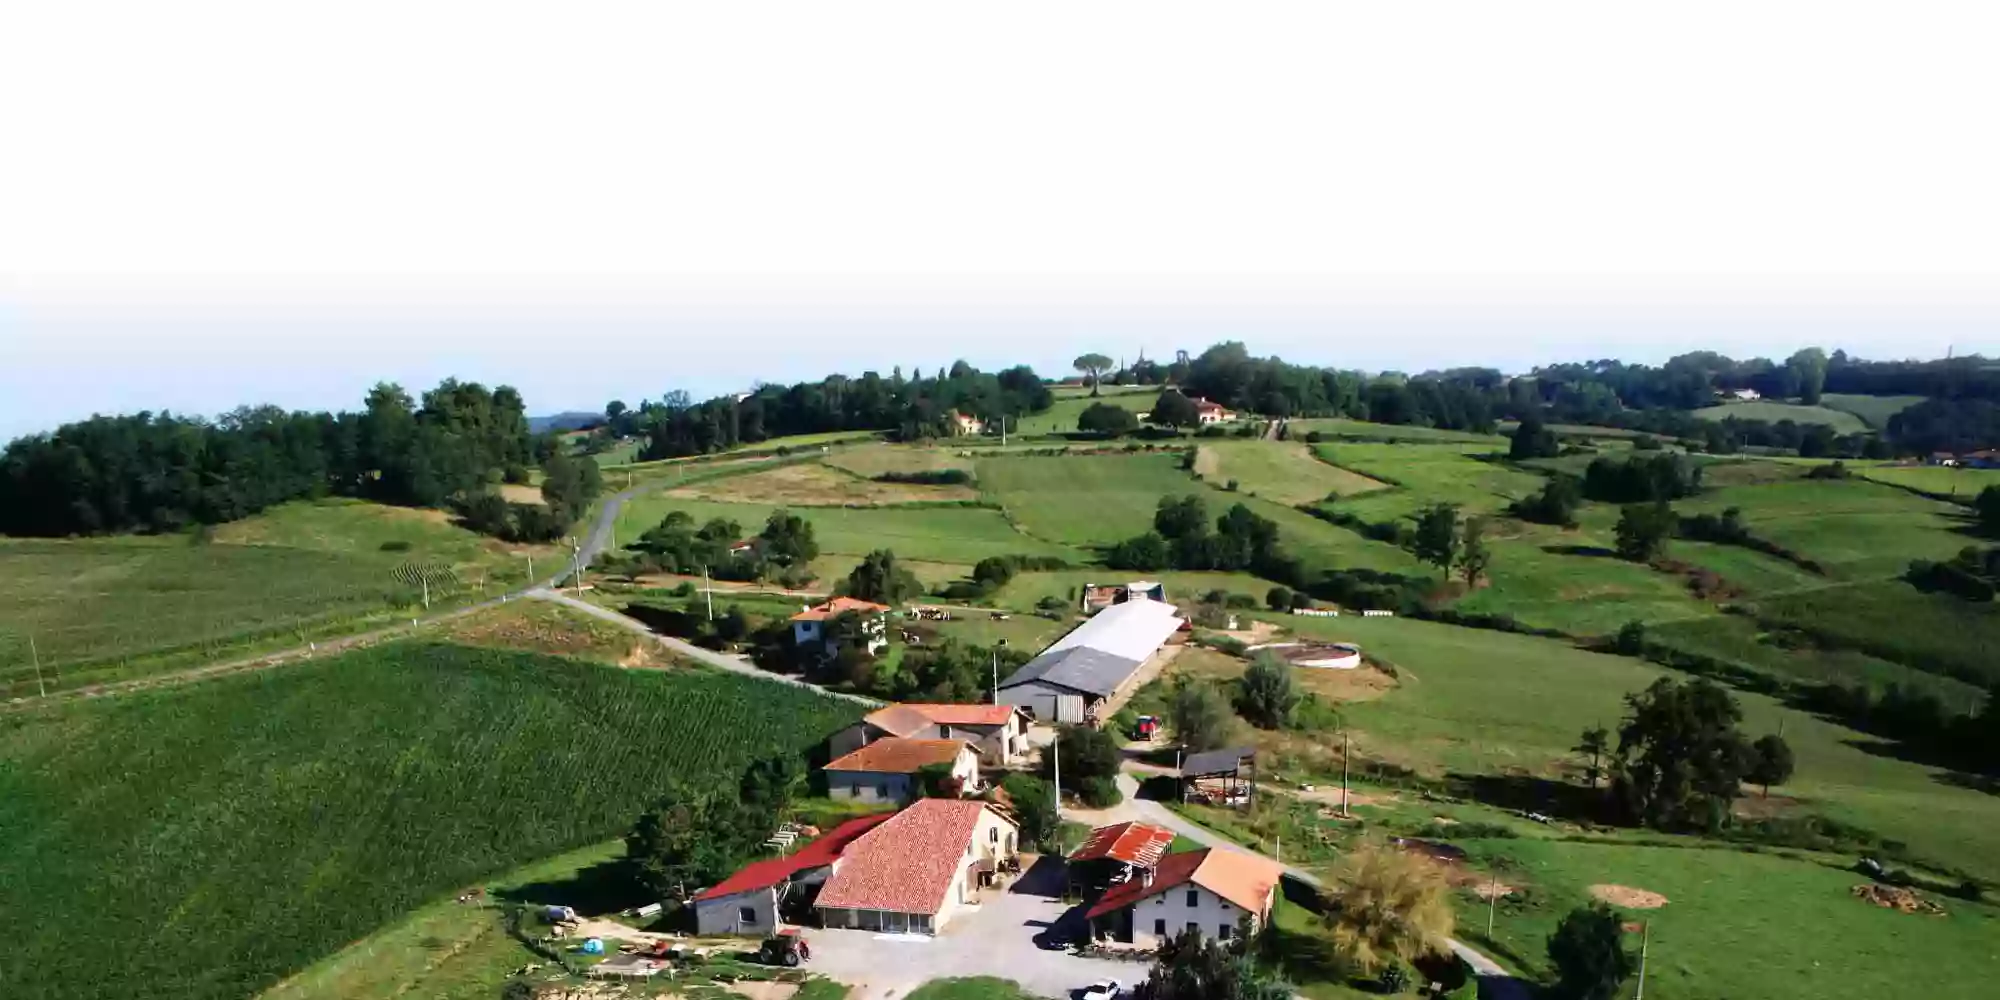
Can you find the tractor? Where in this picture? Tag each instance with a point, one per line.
(787, 948)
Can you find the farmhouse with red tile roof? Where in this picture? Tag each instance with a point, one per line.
(1210, 890)
(998, 733)
(750, 901)
(886, 770)
(911, 874)
(809, 625)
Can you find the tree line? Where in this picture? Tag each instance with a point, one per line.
(158, 472)
(913, 408)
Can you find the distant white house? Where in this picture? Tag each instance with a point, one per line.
(1742, 395)
(967, 425)
(809, 625)
(1209, 412)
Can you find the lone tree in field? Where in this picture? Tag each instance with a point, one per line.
(1533, 439)
(1643, 530)
(1108, 420)
(1805, 372)
(1588, 952)
(1681, 761)
(1199, 715)
(1436, 541)
(1988, 507)
(1393, 908)
(1596, 742)
(1173, 409)
(1770, 762)
(1279, 598)
(1268, 693)
(1556, 504)
(1092, 365)
(1474, 556)
(880, 579)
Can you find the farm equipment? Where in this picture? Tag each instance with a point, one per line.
(787, 948)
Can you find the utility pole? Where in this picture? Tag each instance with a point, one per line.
(36, 655)
(1056, 748)
(426, 578)
(996, 671)
(1492, 901)
(531, 569)
(1645, 936)
(708, 591)
(1346, 754)
(576, 561)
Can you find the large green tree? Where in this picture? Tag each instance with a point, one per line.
(693, 837)
(1268, 694)
(1589, 954)
(1681, 760)
(1808, 369)
(1090, 759)
(1094, 366)
(1107, 420)
(1199, 715)
(1474, 556)
(1643, 530)
(1173, 409)
(1770, 762)
(1194, 966)
(1436, 540)
(1533, 439)
(1392, 907)
(1033, 803)
(881, 579)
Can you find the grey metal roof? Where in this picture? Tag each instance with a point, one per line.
(1079, 668)
(1215, 761)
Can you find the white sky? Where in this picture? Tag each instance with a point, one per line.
(209, 203)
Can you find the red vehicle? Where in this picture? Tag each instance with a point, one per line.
(1148, 727)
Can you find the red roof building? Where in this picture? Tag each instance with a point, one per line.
(1211, 890)
(838, 606)
(911, 874)
(1138, 844)
(749, 901)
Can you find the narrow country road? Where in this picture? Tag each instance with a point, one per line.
(723, 661)
(1495, 983)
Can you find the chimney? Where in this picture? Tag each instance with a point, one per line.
(1145, 878)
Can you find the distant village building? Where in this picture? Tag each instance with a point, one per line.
(809, 625)
(1742, 395)
(966, 425)
(1209, 412)
(1097, 597)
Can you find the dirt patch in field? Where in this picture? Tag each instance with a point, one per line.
(1331, 797)
(1364, 683)
(1753, 806)
(1489, 889)
(547, 628)
(1896, 898)
(1257, 634)
(1206, 462)
(1627, 897)
(816, 485)
(765, 991)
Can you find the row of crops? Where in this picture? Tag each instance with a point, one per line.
(207, 840)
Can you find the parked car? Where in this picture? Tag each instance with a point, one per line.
(1105, 989)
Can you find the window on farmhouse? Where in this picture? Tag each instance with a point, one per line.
(1159, 928)
(747, 914)
(1194, 898)
(1222, 932)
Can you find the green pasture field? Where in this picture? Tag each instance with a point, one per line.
(1740, 639)
(1964, 484)
(1428, 474)
(1362, 430)
(1088, 499)
(1841, 421)
(218, 837)
(1061, 417)
(975, 988)
(1858, 530)
(1576, 594)
(108, 609)
(1285, 472)
(1482, 702)
(1874, 411)
(1893, 620)
(620, 453)
(956, 535)
(1735, 924)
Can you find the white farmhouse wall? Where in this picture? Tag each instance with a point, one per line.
(869, 786)
(1210, 911)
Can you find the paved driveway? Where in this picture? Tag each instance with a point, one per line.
(997, 939)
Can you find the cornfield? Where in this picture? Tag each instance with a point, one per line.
(208, 840)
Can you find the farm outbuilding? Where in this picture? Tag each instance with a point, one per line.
(1097, 662)
(753, 900)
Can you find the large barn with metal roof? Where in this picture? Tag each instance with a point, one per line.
(1097, 662)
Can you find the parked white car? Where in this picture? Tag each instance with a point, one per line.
(1107, 989)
